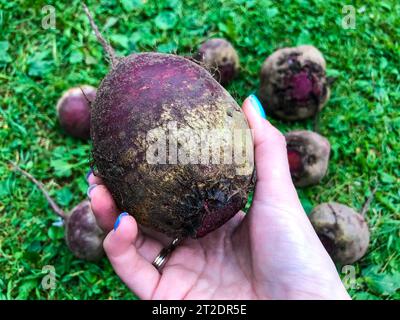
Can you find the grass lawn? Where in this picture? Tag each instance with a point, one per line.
(361, 120)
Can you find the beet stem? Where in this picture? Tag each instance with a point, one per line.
(84, 94)
(49, 199)
(106, 46)
(367, 203)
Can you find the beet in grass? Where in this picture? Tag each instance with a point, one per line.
(343, 231)
(293, 83)
(83, 236)
(308, 155)
(73, 110)
(220, 58)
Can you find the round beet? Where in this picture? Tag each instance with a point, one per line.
(151, 91)
(82, 234)
(308, 155)
(293, 83)
(343, 232)
(220, 58)
(73, 111)
(158, 124)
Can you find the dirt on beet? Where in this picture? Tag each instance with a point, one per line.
(146, 93)
(293, 83)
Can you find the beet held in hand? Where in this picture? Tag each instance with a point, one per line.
(73, 111)
(82, 234)
(137, 104)
(293, 83)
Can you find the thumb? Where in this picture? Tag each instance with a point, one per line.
(274, 182)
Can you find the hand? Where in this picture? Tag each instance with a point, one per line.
(270, 253)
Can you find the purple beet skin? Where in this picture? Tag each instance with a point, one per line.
(74, 111)
(150, 91)
(293, 83)
(220, 58)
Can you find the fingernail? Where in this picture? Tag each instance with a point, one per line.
(90, 189)
(89, 173)
(118, 221)
(257, 106)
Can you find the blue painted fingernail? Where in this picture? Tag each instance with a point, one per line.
(118, 221)
(89, 173)
(90, 189)
(257, 106)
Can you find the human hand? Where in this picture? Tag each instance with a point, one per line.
(270, 253)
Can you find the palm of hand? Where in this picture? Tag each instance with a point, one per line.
(273, 252)
(213, 267)
(244, 259)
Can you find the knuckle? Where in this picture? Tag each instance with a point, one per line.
(278, 137)
(106, 243)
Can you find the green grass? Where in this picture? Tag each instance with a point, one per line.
(361, 120)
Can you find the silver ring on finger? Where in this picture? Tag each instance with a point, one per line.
(160, 261)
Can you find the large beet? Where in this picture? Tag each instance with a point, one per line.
(150, 91)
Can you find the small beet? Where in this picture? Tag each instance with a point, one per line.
(220, 58)
(343, 232)
(82, 234)
(73, 111)
(147, 92)
(293, 83)
(295, 162)
(308, 155)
